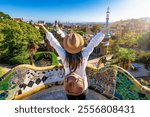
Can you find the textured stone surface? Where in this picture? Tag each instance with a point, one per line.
(57, 93)
(103, 80)
(109, 80)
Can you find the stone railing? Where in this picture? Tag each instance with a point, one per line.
(121, 84)
(25, 80)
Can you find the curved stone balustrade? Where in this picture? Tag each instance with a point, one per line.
(111, 81)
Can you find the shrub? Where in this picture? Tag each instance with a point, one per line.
(5, 82)
(125, 57)
(20, 59)
(46, 55)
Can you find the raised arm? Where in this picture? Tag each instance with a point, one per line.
(53, 42)
(93, 43)
(42, 26)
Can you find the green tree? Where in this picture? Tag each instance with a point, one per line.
(4, 16)
(125, 57)
(95, 28)
(114, 46)
(144, 41)
(130, 40)
(15, 38)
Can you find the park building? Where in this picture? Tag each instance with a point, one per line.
(18, 19)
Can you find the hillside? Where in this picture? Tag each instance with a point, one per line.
(131, 25)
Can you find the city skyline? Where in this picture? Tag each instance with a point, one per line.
(75, 10)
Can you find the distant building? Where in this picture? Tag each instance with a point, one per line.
(41, 22)
(48, 24)
(18, 19)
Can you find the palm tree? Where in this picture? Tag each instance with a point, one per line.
(125, 57)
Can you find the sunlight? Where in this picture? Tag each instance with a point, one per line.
(138, 8)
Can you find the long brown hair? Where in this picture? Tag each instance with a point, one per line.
(74, 60)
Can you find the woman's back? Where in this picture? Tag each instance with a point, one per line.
(74, 55)
(86, 51)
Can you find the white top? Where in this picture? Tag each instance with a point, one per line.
(85, 53)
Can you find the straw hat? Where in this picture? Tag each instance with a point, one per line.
(73, 43)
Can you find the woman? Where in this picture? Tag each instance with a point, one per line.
(74, 56)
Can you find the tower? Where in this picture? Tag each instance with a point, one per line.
(107, 35)
(107, 16)
(102, 48)
(56, 24)
(105, 42)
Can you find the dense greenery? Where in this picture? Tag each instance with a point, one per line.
(129, 46)
(125, 57)
(144, 41)
(4, 16)
(131, 34)
(46, 55)
(128, 40)
(4, 83)
(95, 28)
(15, 38)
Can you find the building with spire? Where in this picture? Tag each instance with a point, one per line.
(107, 16)
(102, 48)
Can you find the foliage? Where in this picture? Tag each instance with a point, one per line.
(4, 16)
(95, 28)
(54, 59)
(126, 55)
(114, 46)
(22, 58)
(144, 41)
(83, 29)
(131, 25)
(46, 55)
(4, 84)
(81, 33)
(130, 40)
(144, 58)
(15, 38)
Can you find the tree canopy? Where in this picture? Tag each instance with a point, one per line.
(4, 16)
(15, 38)
(144, 41)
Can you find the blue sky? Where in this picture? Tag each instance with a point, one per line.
(75, 10)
